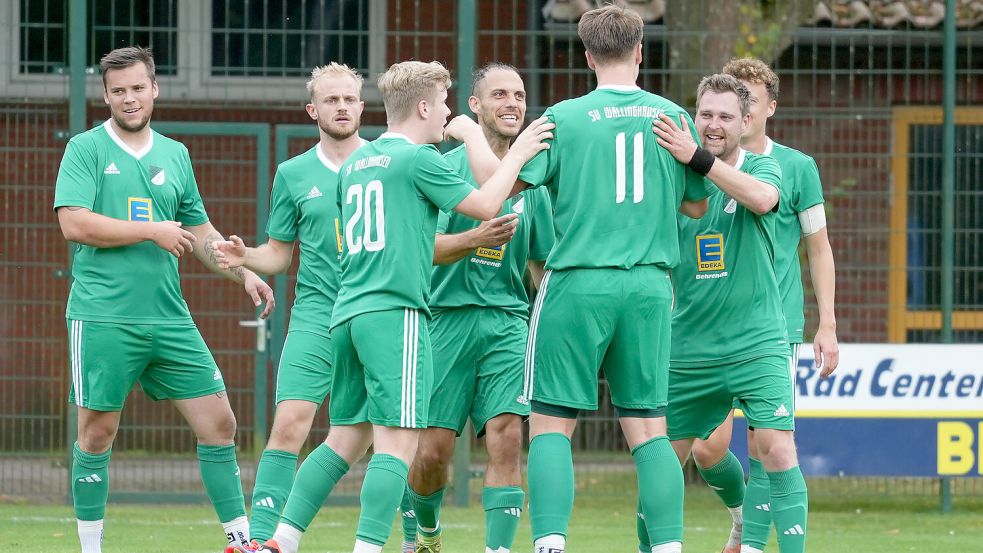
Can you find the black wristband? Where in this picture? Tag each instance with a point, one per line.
(702, 161)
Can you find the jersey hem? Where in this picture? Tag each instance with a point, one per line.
(739, 358)
(130, 320)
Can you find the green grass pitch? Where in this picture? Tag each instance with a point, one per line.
(604, 523)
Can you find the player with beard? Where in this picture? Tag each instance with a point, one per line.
(720, 355)
(479, 328)
(128, 198)
(303, 210)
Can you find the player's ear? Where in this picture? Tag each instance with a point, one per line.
(311, 111)
(772, 106)
(474, 104)
(155, 88)
(105, 95)
(638, 54)
(590, 61)
(423, 109)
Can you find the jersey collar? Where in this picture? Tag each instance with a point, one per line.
(395, 135)
(327, 162)
(741, 153)
(620, 87)
(119, 141)
(768, 146)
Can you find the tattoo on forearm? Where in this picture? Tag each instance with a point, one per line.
(220, 394)
(210, 252)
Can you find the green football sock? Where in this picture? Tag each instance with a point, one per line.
(220, 476)
(316, 476)
(551, 485)
(382, 490)
(727, 479)
(790, 508)
(90, 483)
(427, 510)
(644, 546)
(274, 477)
(757, 507)
(660, 490)
(502, 505)
(408, 516)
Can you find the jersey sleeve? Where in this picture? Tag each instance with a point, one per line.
(191, 210)
(284, 212)
(696, 187)
(810, 186)
(768, 171)
(77, 176)
(443, 221)
(436, 181)
(542, 168)
(541, 235)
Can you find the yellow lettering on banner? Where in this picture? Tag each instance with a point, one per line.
(955, 448)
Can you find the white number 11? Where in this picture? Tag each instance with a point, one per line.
(638, 181)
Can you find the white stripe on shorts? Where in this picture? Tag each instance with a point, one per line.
(530, 362)
(793, 367)
(75, 339)
(411, 335)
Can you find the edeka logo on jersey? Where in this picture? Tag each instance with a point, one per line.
(140, 209)
(491, 253)
(710, 252)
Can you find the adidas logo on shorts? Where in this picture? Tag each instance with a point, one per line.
(522, 399)
(781, 411)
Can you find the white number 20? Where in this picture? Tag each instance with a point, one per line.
(369, 208)
(638, 182)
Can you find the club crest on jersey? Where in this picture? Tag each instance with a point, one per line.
(520, 205)
(140, 210)
(730, 206)
(710, 252)
(157, 175)
(491, 253)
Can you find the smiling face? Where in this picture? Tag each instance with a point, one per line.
(501, 102)
(719, 123)
(336, 106)
(762, 107)
(130, 92)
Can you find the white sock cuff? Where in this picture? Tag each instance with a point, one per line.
(89, 524)
(366, 547)
(748, 549)
(671, 547)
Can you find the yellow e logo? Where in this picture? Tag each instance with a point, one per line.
(955, 448)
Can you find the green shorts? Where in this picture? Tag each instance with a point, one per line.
(169, 361)
(616, 320)
(383, 369)
(478, 355)
(702, 397)
(305, 367)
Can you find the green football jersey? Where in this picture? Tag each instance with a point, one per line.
(801, 189)
(728, 307)
(136, 284)
(615, 191)
(493, 277)
(389, 194)
(304, 207)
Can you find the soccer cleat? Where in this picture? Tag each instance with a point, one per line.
(251, 547)
(408, 546)
(271, 546)
(427, 544)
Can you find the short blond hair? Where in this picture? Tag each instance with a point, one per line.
(333, 69)
(404, 84)
(610, 33)
(756, 71)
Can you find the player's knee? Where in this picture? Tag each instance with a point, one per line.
(778, 453)
(224, 427)
(707, 453)
(96, 438)
(503, 439)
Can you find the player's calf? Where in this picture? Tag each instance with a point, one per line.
(789, 499)
(502, 497)
(428, 478)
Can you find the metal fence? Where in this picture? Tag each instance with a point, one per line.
(861, 93)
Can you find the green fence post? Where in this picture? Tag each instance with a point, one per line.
(76, 124)
(948, 195)
(467, 32)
